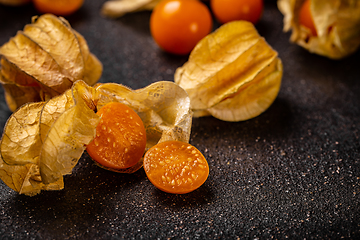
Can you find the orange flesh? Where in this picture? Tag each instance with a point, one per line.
(176, 167)
(120, 137)
(305, 17)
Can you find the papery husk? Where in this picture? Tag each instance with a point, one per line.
(232, 74)
(14, 2)
(164, 108)
(21, 147)
(68, 136)
(118, 8)
(43, 141)
(337, 23)
(44, 60)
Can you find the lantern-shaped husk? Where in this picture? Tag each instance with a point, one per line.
(43, 141)
(44, 60)
(232, 74)
(337, 24)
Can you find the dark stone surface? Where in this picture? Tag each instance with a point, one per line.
(293, 172)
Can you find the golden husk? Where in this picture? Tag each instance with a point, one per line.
(43, 141)
(118, 8)
(44, 60)
(337, 23)
(232, 74)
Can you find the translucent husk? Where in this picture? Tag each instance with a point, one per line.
(43, 141)
(118, 8)
(337, 23)
(232, 74)
(44, 60)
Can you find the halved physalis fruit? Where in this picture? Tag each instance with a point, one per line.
(176, 167)
(42, 142)
(120, 137)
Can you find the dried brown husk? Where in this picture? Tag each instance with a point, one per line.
(337, 23)
(232, 74)
(118, 8)
(44, 60)
(43, 141)
(14, 2)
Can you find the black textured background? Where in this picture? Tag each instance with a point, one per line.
(293, 172)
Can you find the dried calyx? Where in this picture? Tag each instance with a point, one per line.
(118, 8)
(43, 141)
(232, 74)
(44, 60)
(336, 23)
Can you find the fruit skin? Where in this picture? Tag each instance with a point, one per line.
(231, 10)
(178, 25)
(58, 7)
(120, 137)
(175, 167)
(305, 17)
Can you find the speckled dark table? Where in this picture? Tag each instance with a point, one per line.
(293, 172)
